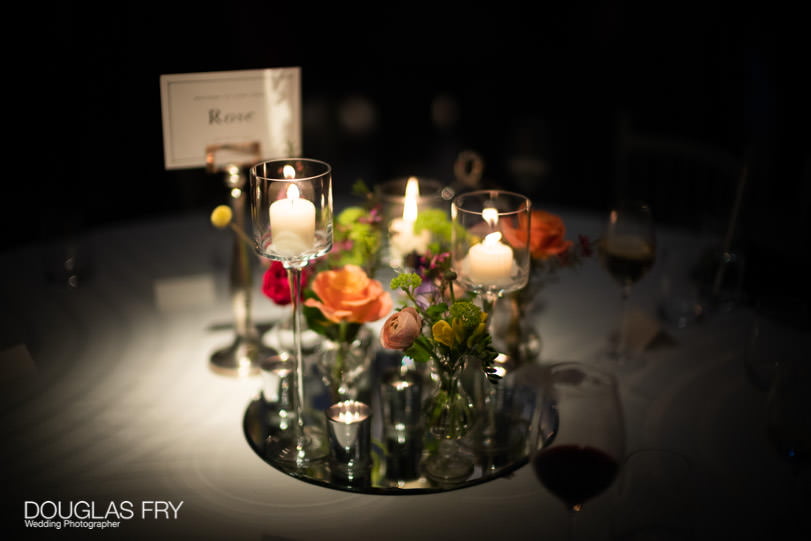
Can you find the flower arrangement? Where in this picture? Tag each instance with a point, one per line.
(437, 326)
(339, 302)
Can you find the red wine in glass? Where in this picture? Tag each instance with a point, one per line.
(581, 458)
(575, 473)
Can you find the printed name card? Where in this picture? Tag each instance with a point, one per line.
(230, 107)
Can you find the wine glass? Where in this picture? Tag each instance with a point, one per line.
(291, 210)
(582, 459)
(627, 252)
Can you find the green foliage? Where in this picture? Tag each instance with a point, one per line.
(407, 281)
(467, 313)
(350, 215)
(357, 237)
(437, 223)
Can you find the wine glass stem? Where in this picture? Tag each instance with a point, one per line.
(294, 278)
(622, 342)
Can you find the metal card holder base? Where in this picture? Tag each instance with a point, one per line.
(243, 356)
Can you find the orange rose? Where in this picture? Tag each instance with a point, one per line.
(546, 234)
(348, 294)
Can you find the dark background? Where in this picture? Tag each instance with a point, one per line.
(401, 91)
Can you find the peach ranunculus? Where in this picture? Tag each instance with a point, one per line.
(547, 234)
(348, 294)
(401, 329)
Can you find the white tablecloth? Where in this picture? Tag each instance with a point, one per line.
(107, 397)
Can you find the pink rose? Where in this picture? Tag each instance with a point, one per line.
(401, 329)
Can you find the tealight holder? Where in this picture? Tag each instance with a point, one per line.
(291, 211)
(402, 201)
(349, 427)
(490, 241)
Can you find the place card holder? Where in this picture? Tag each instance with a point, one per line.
(242, 357)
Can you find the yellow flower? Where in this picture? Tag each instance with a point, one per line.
(221, 216)
(458, 329)
(480, 330)
(443, 333)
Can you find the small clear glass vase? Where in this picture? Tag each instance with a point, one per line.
(345, 366)
(449, 415)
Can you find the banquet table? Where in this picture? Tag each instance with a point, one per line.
(107, 396)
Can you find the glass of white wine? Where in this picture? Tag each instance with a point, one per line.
(627, 251)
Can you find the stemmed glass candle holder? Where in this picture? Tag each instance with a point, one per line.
(490, 251)
(402, 201)
(291, 209)
(490, 242)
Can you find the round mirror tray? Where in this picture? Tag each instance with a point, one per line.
(397, 453)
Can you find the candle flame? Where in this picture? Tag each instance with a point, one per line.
(490, 216)
(293, 192)
(289, 171)
(492, 238)
(412, 193)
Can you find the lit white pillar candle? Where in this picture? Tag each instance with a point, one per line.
(403, 240)
(490, 262)
(292, 223)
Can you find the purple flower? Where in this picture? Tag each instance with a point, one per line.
(425, 294)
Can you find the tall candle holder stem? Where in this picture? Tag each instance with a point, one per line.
(294, 277)
(487, 431)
